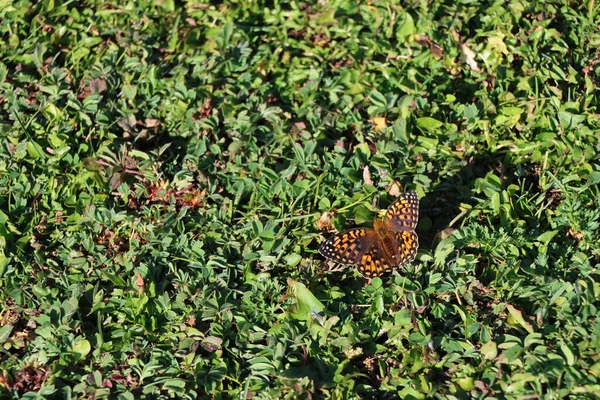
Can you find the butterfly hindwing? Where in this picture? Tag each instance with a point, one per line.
(349, 246)
(403, 214)
(374, 263)
(408, 244)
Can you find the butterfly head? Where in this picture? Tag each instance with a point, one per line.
(380, 227)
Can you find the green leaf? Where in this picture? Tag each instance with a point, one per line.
(305, 302)
(428, 124)
(5, 332)
(568, 353)
(82, 347)
(516, 317)
(293, 259)
(406, 26)
(546, 237)
(403, 317)
(570, 121)
(489, 350)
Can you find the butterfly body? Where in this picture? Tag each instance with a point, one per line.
(392, 242)
(388, 245)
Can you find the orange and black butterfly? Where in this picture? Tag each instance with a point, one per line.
(391, 243)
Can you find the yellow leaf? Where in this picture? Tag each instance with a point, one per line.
(379, 123)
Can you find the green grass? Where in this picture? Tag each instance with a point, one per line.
(164, 166)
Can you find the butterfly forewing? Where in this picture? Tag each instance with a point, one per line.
(403, 214)
(348, 247)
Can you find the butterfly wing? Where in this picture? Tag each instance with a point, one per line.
(403, 214)
(348, 247)
(374, 263)
(408, 244)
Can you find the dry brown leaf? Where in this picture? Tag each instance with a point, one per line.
(436, 50)
(367, 176)
(324, 223)
(98, 85)
(140, 284)
(469, 57)
(151, 122)
(395, 189)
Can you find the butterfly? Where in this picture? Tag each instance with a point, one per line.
(391, 243)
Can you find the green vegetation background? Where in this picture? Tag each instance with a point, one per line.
(164, 167)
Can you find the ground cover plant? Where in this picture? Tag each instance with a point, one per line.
(169, 169)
